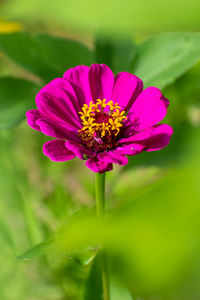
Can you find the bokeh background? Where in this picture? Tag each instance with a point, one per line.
(152, 227)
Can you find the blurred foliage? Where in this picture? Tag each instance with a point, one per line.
(44, 55)
(9, 27)
(110, 16)
(163, 58)
(118, 54)
(18, 99)
(151, 229)
(47, 57)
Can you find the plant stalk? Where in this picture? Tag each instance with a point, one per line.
(100, 209)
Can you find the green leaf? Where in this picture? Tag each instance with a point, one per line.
(118, 292)
(151, 239)
(93, 289)
(49, 247)
(6, 234)
(44, 248)
(165, 57)
(118, 53)
(44, 55)
(16, 97)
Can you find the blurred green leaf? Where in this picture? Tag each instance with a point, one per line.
(83, 257)
(93, 287)
(6, 234)
(118, 292)
(117, 53)
(43, 248)
(16, 97)
(148, 252)
(112, 16)
(165, 57)
(44, 55)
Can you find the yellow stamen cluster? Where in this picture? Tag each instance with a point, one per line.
(102, 118)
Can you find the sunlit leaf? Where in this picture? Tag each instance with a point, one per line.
(118, 292)
(165, 57)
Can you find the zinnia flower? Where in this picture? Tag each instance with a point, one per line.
(100, 118)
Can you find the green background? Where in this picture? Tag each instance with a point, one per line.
(49, 236)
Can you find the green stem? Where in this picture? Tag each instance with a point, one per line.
(105, 276)
(100, 208)
(100, 193)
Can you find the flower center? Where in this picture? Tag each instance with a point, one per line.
(101, 124)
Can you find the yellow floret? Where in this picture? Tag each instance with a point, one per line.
(112, 126)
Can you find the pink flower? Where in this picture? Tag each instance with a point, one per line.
(100, 118)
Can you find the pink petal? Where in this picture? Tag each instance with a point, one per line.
(130, 149)
(151, 139)
(79, 150)
(148, 109)
(101, 81)
(57, 151)
(98, 166)
(113, 157)
(57, 102)
(165, 100)
(78, 77)
(56, 129)
(126, 89)
(32, 116)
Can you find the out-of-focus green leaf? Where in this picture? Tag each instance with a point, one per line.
(163, 58)
(118, 292)
(44, 55)
(15, 282)
(139, 235)
(16, 97)
(93, 288)
(83, 257)
(114, 52)
(43, 248)
(6, 234)
(113, 16)
(187, 88)
(153, 240)
(173, 154)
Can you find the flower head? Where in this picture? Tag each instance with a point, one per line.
(101, 125)
(99, 118)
